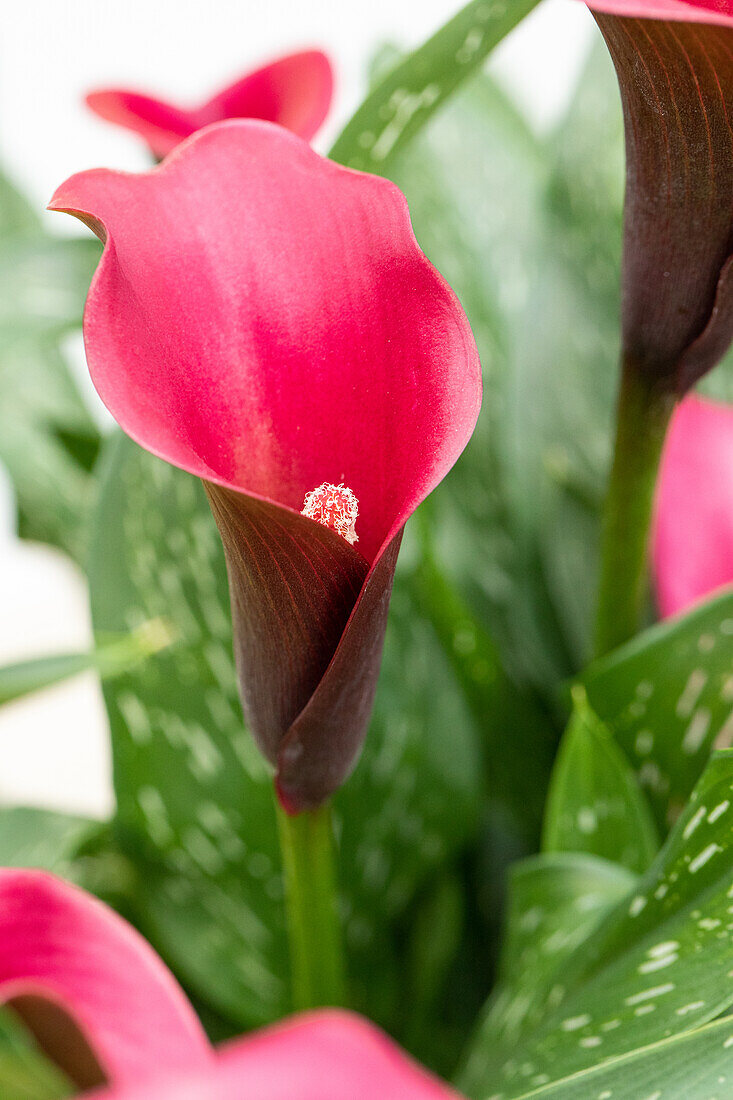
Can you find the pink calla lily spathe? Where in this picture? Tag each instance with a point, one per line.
(674, 61)
(106, 1009)
(294, 91)
(693, 526)
(327, 1055)
(265, 319)
(61, 947)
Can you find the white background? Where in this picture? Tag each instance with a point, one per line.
(53, 747)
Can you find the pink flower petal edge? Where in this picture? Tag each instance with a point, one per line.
(693, 526)
(716, 11)
(59, 943)
(293, 91)
(327, 1055)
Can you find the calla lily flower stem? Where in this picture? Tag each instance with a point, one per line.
(311, 903)
(643, 415)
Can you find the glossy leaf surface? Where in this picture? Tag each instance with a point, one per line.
(595, 803)
(652, 968)
(668, 698)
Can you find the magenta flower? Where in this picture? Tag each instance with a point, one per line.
(693, 526)
(294, 91)
(675, 67)
(264, 319)
(105, 1008)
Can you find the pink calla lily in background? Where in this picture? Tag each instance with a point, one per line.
(294, 91)
(693, 527)
(106, 1009)
(327, 1055)
(674, 62)
(265, 319)
(60, 946)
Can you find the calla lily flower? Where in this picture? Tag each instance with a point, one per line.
(104, 1007)
(674, 61)
(265, 319)
(693, 527)
(294, 91)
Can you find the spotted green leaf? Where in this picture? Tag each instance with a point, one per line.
(695, 1066)
(195, 803)
(595, 804)
(556, 900)
(658, 964)
(406, 97)
(668, 698)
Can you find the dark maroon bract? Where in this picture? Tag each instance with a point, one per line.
(674, 62)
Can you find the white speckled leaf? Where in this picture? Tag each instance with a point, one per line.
(195, 803)
(556, 900)
(659, 963)
(595, 804)
(668, 698)
(696, 1066)
(407, 96)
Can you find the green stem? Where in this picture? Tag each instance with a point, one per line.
(641, 426)
(311, 902)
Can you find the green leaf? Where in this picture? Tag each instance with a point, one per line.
(25, 1074)
(43, 285)
(39, 399)
(658, 964)
(594, 803)
(515, 768)
(434, 940)
(42, 838)
(696, 1066)
(555, 902)
(43, 282)
(195, 804)
(407, 97)
(668, 698)
(112, 658)
(16, 214)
